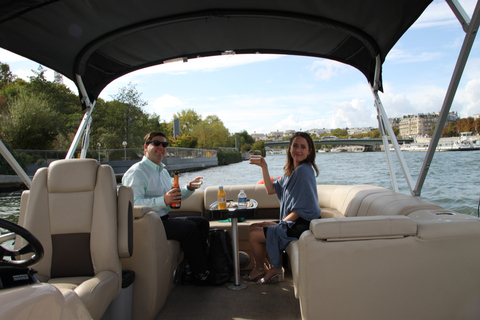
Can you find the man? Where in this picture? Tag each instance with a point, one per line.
(152, 187)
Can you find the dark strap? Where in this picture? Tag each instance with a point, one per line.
(224, 245)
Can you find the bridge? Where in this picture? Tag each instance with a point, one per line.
(372, 142)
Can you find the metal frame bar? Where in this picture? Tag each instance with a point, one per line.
(84, 127)
(460, 13)
(471, 30)
(86, 139)
(391, 168)
(387, 133)
(15, 165)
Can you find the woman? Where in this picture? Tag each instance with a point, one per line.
(297, 193)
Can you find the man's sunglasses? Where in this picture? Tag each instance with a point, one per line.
(157, 143)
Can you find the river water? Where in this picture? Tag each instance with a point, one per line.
(453, 180)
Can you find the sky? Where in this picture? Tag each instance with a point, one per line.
(265, 93)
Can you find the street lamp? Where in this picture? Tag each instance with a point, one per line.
(125, 149)
(99, 145)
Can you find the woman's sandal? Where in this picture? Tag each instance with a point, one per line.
(263, 271)
(279, 277)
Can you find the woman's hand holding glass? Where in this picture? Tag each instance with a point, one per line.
(258, 160)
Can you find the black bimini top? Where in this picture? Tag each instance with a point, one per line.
(101, 40)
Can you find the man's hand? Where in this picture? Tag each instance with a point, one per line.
(195, 183)
(173, 195)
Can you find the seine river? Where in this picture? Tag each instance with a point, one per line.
(453, 180)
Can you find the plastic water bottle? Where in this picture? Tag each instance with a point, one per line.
(242, 200)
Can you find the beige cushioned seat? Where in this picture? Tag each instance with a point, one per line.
(154, 262)
(72, 210)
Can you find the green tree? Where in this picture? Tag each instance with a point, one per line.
(6, 76)
(60, 99)
(184, 141)
(374, 134)
(211, 133)
(188, 120)
(218, 132)
(476, 125)
(108, 125)
(245, 140)
(466, 124)
(132, 103)
(341, 133)
(259, 146)
(450, 130)
(29, 123)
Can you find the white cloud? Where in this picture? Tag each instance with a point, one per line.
(439, 13)
(327, 69)
(9, 57)
(354, 113)
(206, 64)
(402, 56)
(165, 106)
(469, 99)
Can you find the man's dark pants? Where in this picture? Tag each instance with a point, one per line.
(192, 233)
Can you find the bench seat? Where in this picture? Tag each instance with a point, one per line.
(372, 246)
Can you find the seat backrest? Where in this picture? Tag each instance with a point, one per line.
(72, 210)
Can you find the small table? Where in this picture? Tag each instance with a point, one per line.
(234, 214)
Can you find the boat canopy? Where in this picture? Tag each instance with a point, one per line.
(95, 42)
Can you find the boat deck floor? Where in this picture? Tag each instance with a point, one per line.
(269, 301)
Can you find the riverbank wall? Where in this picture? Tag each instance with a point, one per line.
(13, 182)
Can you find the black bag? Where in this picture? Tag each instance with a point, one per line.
(220, 253)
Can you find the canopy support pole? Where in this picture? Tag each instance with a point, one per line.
(387, 133)
(391, 168)
(15, 165)
(84, 127)
(471, 30)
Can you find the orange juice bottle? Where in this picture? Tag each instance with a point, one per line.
(221, 199)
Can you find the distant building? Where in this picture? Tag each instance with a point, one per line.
(395, 122)
(259, 136)
(288, 133)
(452, 116)
(417, 125)
(422, 124)
(353, 131)
(276, 135)
(319, 132)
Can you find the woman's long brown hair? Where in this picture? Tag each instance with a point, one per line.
(288, 168)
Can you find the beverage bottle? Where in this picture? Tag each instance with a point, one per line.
(175, 185)
(242, 200)
(221, 199)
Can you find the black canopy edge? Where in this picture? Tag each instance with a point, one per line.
(92, 50)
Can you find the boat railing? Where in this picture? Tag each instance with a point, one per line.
(42, 157)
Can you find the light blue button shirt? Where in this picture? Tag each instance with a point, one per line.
(150, 182)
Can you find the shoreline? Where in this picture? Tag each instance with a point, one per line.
(9, 183)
